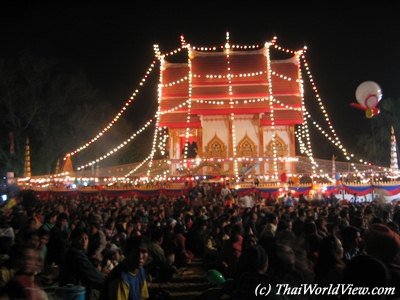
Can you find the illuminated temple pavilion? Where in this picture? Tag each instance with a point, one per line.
(229, 104)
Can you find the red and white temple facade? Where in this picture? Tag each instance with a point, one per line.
(239, 106)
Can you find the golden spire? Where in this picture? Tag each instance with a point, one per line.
(27, 164)
(67, 167)
(58, 170)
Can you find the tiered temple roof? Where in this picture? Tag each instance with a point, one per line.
(209, 87)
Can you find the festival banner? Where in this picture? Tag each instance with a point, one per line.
(147, 194)
(305, 190)
(332, 189)
(174, 192)
(244, 192)
(387, 190)
(360, 190)
(266, 191)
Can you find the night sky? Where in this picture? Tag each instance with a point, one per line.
(113, 43)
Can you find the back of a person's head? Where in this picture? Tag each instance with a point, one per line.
(382, 242)
(271, 217)
(330, 251)
(61, 217)
(285, 258)
(298, 227)
(283, 225)
(157, 234)
(310, 227)
(349, 235)
(253, 259)
(366, 271)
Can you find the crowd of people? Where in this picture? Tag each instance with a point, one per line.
(119, 248)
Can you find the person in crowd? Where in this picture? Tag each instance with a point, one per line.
(384, 244)
(366, 271)
(97, 241)
(76, 267)
(232, 249)
(112, 256)
(351, 242)
(49, 221)
(128, 280)
(252, 270)
(330, 265)
(22, 285)
(58, 241)
(158, 264)
(182, 255)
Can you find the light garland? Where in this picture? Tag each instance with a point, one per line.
(174, 108)
(183, 79)
(138, 166)
(153, 147)
(284, 49)
(173, 52)
(116, 117)
(205, 48)
(314, 87)
(335, 140)
(116, 149)
(245, 46)
(302, 134)
(339, 146)
(231, 106)
(163, 141)
(189, 104)
(284, 77)
(287, 106)
(304, 127)
(271, 107)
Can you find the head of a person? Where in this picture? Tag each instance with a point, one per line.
(44, 237)
(254, 259)
(62, 220)
(382, 242)
(351, 237)
(366, 271)
(136, 252)
(272, 218)
(79, 239)
(32, 239)
(27, 260)
(330, 251)
(94, 227)
(157, 235)
(51, 218)
(285, 257)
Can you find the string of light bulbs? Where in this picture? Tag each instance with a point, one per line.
(117, 148)
(271, 107)
(174, 108)
(304, 127)
(116, 117)
(231, 106)
(138, 166)
(187, 132)
(153, 146)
